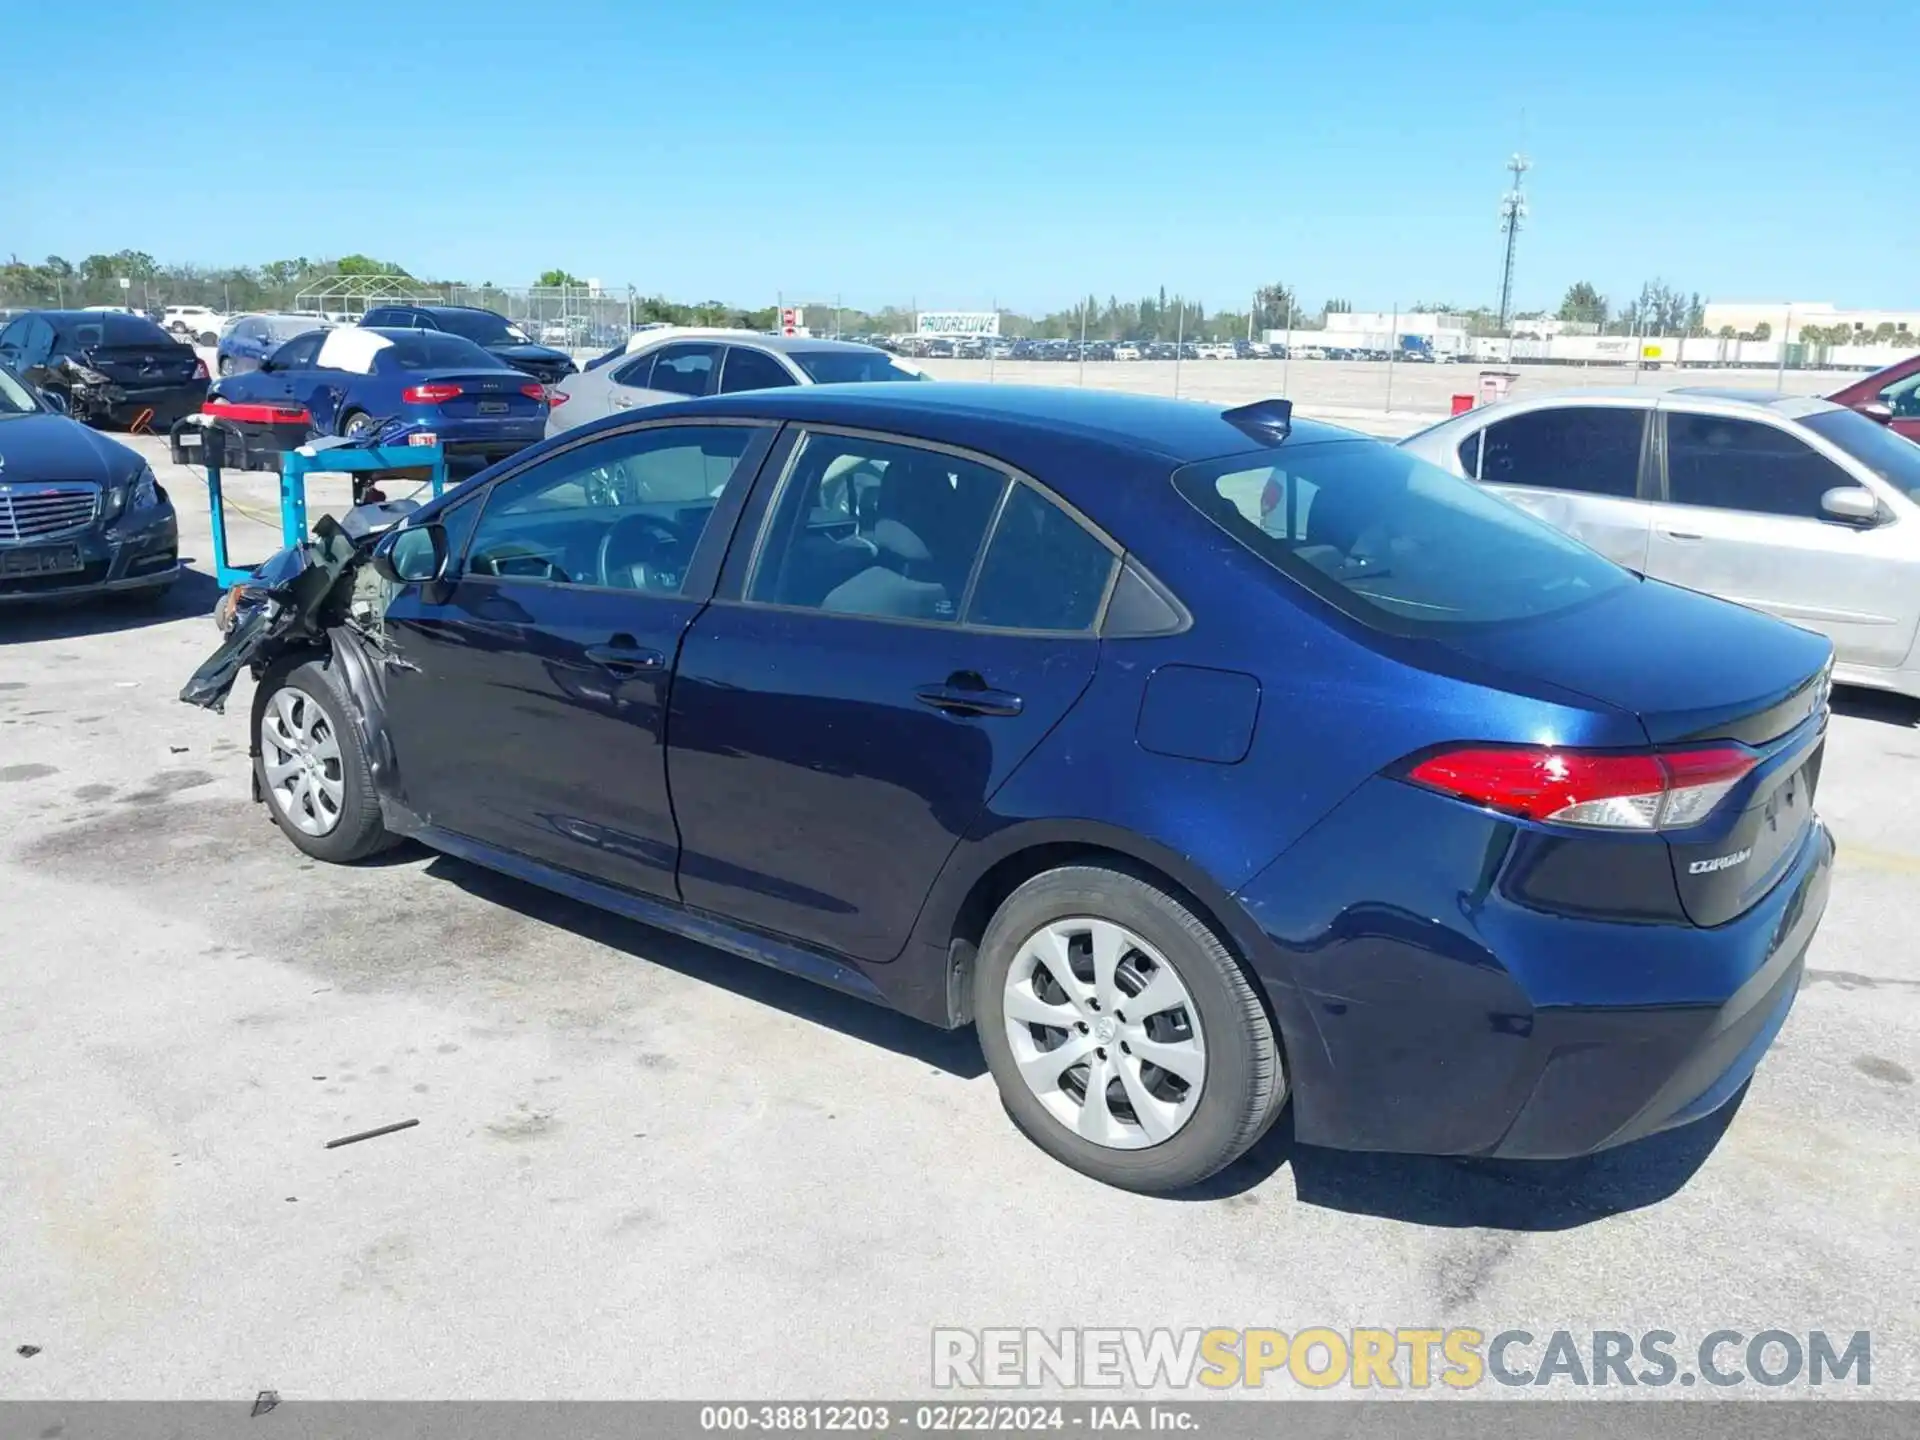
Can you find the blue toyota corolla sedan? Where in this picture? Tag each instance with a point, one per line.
(349, 380)
(1205, 761)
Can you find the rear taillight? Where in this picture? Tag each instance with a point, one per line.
(433, 394)
(534, 392)
(200, 370)
(556, 398)
(1603, 790)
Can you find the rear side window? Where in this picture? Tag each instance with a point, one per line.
(684, 369)
(870, 527)
(751, 370)
(1393, 541)
(1591, 449)
(639, 374)
(1043, 569)
(1743, 465)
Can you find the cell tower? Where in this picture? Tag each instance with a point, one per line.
(1513, 210)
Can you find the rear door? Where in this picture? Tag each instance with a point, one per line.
(746, 368)
(528, 704)
(1580, 468)
(1742, 520)
(911, 623)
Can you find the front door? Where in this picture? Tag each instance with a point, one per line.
(844, 712)
(528, 696)
(1743, 520)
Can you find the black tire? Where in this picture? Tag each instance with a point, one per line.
(225, 366)
(1245, 1088)
(359, 831)
(208, 339)
(347, 425)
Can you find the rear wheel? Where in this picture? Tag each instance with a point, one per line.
(1124, 1037)
(209, 339)
(355, 424)
(313, 769)
(226, 365)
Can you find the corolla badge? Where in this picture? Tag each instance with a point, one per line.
(1719, 862)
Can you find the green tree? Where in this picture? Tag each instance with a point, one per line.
(554, 279)
(1274, 306)
(1337, 307)
(1583, 305)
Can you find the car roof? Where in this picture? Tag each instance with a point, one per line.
(1791, 407)
(1012, 420)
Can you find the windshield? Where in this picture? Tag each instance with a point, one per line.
(1889, 454)
(1393, 541)
(483, 327)
(852, 367)
(426, 350)
(14, 397)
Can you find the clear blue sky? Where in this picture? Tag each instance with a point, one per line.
(959, 153)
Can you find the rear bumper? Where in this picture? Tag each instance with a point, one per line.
(123, 404)
(112, 560)
(1424, 1010)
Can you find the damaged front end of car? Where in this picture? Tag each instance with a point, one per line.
(319, 600)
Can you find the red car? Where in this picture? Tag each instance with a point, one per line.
(1891, 396)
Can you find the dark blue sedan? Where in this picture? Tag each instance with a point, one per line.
(1202, 760)
(351, 381)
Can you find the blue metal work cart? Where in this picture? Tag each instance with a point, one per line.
(416, 464)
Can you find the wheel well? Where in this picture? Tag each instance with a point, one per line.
(991, 890)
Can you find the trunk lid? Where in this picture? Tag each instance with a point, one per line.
(1695, 670)
(137, 366)
(484, 395)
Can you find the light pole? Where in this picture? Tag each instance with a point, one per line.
(1286, 360)
(1780, 375)
(1179, 344)
(1084, 307)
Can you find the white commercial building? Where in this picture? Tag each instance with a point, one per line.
(1785, 319)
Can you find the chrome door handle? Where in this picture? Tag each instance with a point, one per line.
(623, 660)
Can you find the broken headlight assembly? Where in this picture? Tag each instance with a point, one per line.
(129, 497)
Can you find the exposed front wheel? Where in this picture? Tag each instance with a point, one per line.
(1124, 1037)
(226, 365)
(312, 767)
(357, 424)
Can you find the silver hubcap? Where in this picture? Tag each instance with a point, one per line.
(1104, 1033)
(301, 756)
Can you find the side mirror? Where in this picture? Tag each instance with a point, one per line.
(1876, 410)
(1851, 505)
(56, 401)
(412, 556)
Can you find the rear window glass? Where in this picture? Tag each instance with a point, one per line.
(850, 367)
(428, 350)
(1394, 541)
(110, 329)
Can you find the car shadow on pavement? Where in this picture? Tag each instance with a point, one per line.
(192, 595)
(1881, 705)
(1457, 1193)
(955, 1052)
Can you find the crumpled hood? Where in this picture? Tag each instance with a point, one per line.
(35, 448)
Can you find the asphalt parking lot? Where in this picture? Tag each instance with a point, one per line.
(647, 1169)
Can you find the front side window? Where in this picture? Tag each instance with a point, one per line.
(684, 369)
(623, 513)
(1745, 465)
(1393, 541)
(751, 370)
(870, 527)
(638, 374)
(1591, 449)
(1903, 398)
(1891, 456)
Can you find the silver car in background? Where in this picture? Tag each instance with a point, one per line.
(1795, 506)
(681, 364)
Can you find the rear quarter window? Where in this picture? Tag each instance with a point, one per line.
(1393, 541)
